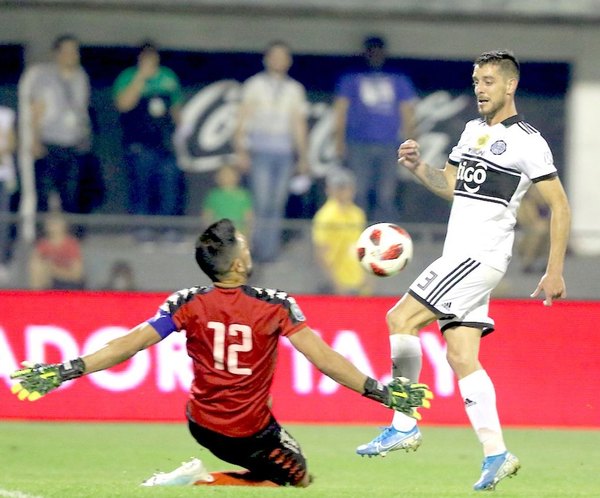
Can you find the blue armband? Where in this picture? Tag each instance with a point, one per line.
(163, 323)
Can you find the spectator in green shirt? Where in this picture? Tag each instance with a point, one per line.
(149, 97)
(228, 199)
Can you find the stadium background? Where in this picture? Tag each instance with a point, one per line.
(552, 31)
(211, 41)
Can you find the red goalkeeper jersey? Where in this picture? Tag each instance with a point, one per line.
(232, 336)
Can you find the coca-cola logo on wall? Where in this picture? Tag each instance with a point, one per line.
(203, 140)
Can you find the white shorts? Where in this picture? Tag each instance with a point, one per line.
(458, 292)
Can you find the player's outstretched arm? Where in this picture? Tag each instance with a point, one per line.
(399, 394)
(440, 181)
(37, 380)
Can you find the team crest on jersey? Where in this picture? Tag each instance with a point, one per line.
(498, 147)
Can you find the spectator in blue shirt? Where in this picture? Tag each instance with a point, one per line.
(374, 112)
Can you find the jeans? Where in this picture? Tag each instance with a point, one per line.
(59, 171)
(270, 175)
(376, 170)
(155, 181)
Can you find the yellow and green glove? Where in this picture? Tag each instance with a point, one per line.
(38, 379)
(400, 395)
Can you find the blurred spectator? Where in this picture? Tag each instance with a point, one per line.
(8, 183)
(121, 277)
(374, 112)
(229, 200)
(56, 261)
(271, 144)
(336, 228)
(533, 221)
(61, 131)
(149, 98)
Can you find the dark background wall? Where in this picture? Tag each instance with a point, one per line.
(541, 99)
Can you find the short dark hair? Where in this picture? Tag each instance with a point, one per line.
(148, 45)
(506, 59)
(59, 40)
(216, 249)
(374, 41)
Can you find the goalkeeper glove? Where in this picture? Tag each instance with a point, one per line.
(37, 380)
(399, 395)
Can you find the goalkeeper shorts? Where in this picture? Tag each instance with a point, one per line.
(271, 454)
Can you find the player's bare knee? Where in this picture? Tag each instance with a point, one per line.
(399, 321)
(461, 362)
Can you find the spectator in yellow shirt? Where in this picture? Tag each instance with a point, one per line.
(336, 227)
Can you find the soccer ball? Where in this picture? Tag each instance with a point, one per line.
(384, 249)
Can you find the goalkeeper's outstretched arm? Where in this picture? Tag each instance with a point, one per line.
(398, 394)
(37, 380)
(122, 348)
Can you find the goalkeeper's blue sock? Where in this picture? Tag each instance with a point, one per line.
(407, 359)
(479, 396)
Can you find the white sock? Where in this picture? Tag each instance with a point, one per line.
(407, 359)
(479, 396)
(402, 422)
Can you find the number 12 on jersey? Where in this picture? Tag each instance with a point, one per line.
(226, 357)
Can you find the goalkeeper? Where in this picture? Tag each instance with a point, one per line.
(232, 332)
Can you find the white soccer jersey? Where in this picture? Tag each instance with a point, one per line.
(496, 165)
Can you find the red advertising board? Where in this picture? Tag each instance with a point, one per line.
(545, 361)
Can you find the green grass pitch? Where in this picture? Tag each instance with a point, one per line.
(71, 460)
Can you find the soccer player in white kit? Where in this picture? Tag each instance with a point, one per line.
(495, 161)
